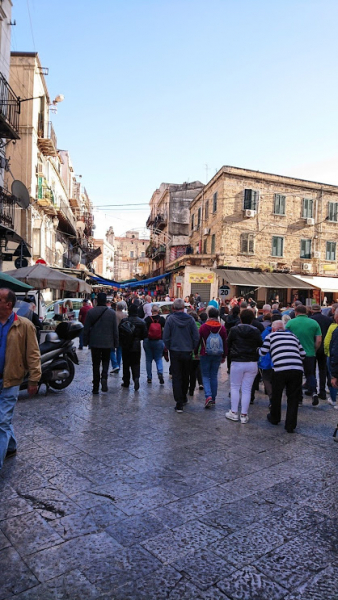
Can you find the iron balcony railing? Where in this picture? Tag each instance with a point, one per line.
(9, 111)
(7, 209)
(47, 141)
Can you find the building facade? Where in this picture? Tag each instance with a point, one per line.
(130, 258)
(104, 264)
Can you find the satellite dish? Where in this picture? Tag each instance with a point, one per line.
(20, 193)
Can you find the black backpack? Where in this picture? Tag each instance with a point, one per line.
(126, 333)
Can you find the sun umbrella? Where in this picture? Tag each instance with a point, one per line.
(13, 284)
(41, 277)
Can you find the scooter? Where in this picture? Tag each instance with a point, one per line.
(58, 356)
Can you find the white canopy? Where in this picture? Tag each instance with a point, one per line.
(41, 277)
(326, 284)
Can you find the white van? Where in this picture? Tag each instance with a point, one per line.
(33, 296)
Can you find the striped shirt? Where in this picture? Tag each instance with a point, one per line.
(286, 351)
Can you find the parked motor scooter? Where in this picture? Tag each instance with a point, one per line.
(58, 356)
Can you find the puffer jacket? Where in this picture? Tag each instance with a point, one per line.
(140, 333)
(243, 342)
(22, 354)
(265, 362)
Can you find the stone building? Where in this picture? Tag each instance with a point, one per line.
(130, 256)
(268, 223)
(104, 264)
(169, 223)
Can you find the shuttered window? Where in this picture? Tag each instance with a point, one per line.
(307, 212)
(205, 246)
(206, 210)
(277, 246)
(214, 202)
(333, 211)
(330, 250)
(247, 243)
(305, 248)
(251, 198)
(279, 204)
(213, 244)
(199, 216)
(192, 222)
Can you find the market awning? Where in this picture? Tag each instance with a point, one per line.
(326, 284)
(266, 280)
(135, 284)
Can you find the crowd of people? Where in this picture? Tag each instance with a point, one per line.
(282, 348)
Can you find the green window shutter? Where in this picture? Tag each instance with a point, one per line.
(277, 246)
(251, 244)
(244, 243)
(279, 208)
(213, 243)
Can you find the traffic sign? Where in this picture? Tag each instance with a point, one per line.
(22, 250)
(21, 262)
(224, 291)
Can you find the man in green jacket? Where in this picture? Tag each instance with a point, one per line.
(19, 355)
(310, 336)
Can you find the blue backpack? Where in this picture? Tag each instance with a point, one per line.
(214, 345)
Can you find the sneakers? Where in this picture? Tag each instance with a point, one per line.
(178, 408)
(322, 396)
(160, 378)
(330, 401)
(116, 370)
(244, 419)
(136, 384)
(149, 380)
(208, 401)
(231, 415)
(200, 387)
(315, 400)
(104, 385)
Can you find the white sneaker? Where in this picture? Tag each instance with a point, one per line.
(330, 401)
(231, 415)
(244, 419)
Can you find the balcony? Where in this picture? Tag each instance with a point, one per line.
(150, 220)
(160, 221)
(67, 221)
(158, 253)
(47, 142)
(7, 208)
(9, 111)
(45, 197)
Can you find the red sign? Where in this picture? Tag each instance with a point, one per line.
(178, 285)
(40, 261)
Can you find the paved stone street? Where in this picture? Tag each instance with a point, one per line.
(118, 497)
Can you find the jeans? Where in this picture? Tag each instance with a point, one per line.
(292, 381)
(154, 351)
(242, 375)
(309, 365)
(180, 369)
(115, 357)
(81, 339)
(321, 361)
(8, 398)
(333, 391)
(100, 355)
(209, 368)
(131, 360)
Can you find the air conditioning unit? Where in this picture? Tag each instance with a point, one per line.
(306, 266)
(316, 254)
(206, 231)
(249, 213)
(310, 221)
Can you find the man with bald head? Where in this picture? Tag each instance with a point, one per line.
(19, 355)
(287, 355)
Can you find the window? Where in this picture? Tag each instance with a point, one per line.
(199, 216)
(214, 202)
(305, 248)
(307, 212)
(333, 211)
(143, 254)
(247, 243)
(192, 222)
(213, 243)
(206, 210)
(279, 204)
(131, 253)
(251, 198)
(277, 246)
(205, 246)
(330, 250)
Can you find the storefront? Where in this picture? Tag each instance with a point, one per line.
(194, 280)
(326, 287)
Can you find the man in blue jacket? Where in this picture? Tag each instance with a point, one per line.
(180, 336)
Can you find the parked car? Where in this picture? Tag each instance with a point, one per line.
(33, 295)
(55, 308)
(166, 307)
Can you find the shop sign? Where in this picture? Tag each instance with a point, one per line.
(201, 277)
(329, 267)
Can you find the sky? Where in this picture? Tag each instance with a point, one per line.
(171, 90)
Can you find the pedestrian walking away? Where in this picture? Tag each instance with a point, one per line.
(309, 334)
(213, 342)
(19, 355)
(116, 354)
(180, 337)
(333, 390)
(132, 330)
(101, 333)
(243, 341)
(82, 318)
(153, 344)
(324, 323)
(287, 356)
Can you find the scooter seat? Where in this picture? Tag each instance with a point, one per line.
(52, 337)
(50, 345)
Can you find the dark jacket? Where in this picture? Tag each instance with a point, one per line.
(334, 354)
(231, 321)
(140, 333)
(103, 333)
(324, 324)
(260, 326)
(243, 341)
(180, 332)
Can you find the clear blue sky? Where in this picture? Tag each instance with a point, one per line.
(156, 89)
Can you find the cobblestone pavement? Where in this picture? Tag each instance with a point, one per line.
(118, 497)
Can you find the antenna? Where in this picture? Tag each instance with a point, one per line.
(20, 193)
